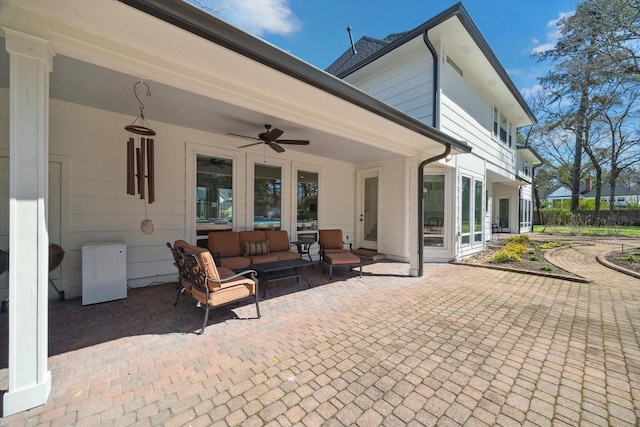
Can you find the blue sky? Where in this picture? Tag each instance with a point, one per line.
(315, 30)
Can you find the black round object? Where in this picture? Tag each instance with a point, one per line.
(4, 261)
(56, 255)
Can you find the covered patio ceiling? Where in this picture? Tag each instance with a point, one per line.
(104, 47)
(87, 84)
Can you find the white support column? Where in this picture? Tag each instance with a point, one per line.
(412, 215)
(30, 65)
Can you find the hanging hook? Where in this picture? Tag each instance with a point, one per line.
(140, 125)
(141, 105)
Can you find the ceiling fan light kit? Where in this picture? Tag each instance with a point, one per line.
(270, 138)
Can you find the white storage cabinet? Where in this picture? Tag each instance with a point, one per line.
(104, 272)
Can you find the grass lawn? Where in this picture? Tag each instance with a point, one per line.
(598, 231)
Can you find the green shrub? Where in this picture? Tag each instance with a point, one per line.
(506, 254)
(533, 258)
(518, 248)
(550, 245)
(546, 268)
(521, 238)
(631, 257)
(556, 216)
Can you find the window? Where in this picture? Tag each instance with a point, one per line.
(267, 190)
(471, 192)
(433, 205)
(525, 213)
(502, 128)
(214, 194)
(307, 206)
(477, 213)
(465, 217)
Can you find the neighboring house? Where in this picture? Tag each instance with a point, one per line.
(624, 196)
(444, 73)
(68, 71)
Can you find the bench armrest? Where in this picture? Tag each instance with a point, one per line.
(235, 276)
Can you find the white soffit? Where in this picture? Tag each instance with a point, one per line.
(115, 36)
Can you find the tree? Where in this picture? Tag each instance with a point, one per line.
(621, 117)
(597, 46)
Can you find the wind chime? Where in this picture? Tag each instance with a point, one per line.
(140, 160)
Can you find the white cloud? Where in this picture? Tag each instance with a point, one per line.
(257, 17)
(552, 35)
(531, 92)
(542, 48)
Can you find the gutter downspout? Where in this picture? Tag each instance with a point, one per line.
(435, 121)
(520, 209)
(420, 233)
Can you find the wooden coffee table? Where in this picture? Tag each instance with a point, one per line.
(280, 270)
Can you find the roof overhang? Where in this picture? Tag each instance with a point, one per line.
(471, 51)
(213, 76)
(528, 153)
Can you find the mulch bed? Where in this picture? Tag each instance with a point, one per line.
(629, 259)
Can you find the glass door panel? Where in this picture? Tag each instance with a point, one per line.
(434, 218)
(214, 195)
(267, 194)
(307, 206)
(371, 209)
(503, 219)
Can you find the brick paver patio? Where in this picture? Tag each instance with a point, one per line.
(460, 346)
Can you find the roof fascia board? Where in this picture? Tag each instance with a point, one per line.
(457, 10)
(532, 151)
(208, 27)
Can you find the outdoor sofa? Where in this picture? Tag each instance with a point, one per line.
(239, 249)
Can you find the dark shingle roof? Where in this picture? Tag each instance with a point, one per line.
(365, 47)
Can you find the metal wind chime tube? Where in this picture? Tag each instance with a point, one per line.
(140, 157)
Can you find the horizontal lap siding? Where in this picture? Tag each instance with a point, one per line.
(337, 195)
(405, 81)
(100, 210)
(468, 116)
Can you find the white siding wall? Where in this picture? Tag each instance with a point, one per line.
(403, 78)
(94, 141)
(467, 115)
(393, 203)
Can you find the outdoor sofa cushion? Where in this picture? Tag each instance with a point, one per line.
(229, 247)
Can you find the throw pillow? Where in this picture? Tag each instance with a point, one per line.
(256, 248)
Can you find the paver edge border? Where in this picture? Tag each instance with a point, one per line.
(603, 261)
(529, 272)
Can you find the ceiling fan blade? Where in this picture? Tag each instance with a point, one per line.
(293, 141)
(273, 134)
(275, 147)
(243, 136)
(251, 145)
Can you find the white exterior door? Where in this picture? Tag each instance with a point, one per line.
(367, 211)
